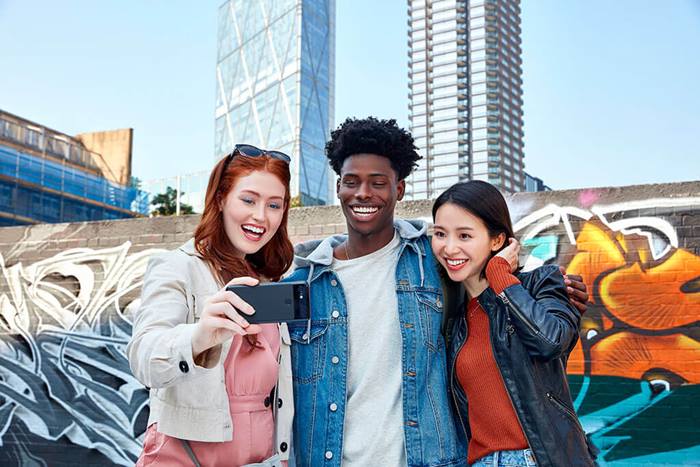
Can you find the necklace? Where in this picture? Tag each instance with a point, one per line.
(345, 245)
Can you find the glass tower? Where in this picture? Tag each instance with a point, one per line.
(465, 94)
(275, 85)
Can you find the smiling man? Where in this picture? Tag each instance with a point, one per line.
(370, 379)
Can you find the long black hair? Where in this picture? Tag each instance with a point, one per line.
(484, 201)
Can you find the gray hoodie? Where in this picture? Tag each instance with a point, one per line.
(318, 253)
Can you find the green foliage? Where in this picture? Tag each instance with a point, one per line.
(164, 203)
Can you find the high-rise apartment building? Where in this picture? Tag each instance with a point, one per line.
(275, 85)
(465, 94)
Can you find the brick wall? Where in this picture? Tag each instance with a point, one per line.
(68, 291)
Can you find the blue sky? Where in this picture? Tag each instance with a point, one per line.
(610, 88)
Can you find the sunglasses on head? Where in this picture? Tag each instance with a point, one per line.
(249, 150)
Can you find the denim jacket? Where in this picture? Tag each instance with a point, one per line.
(320, 357)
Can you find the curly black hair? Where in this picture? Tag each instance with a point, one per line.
(373, 136)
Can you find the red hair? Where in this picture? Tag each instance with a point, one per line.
(210, 238)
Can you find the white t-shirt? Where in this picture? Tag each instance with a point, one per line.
(373, 433)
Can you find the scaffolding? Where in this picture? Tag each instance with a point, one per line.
(46, 176)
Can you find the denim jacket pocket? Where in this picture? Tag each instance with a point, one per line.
(308, 350)
(430, 307)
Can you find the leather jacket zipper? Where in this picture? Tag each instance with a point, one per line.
(505, 386)
(452, 384)
(563, 408)
(510, 329)
(515, 310)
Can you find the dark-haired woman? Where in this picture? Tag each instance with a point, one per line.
(509, 338)
(220, 388)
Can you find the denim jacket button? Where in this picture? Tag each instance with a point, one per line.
(329, 455)
(333, 407)
(305, 336)
(335, 360)
(334, 282)
(335, 314)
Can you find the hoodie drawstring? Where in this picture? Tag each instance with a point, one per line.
(308, 282)
(422, 272)
(419, 253)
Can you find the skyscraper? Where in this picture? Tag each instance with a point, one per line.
(275, 84)
(465, 93)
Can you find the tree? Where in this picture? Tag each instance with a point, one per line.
(295, 202)
(164, 203)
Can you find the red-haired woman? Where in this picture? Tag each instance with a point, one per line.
(220, 387)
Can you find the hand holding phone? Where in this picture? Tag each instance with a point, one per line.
(224, 314)
(275, 302)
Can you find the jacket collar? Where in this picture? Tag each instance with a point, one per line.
(320, 252)
(456, 298)
(189, 249)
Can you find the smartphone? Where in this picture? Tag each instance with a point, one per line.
(275, 302)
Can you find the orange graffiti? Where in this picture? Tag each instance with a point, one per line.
(597, 253)
(652, 299)
(632, 355)
(640, 297)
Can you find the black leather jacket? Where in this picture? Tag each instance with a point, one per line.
(533, 329)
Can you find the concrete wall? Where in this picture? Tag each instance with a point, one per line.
(68, 292)
(115, 148)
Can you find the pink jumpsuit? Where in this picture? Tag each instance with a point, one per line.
(251, 374)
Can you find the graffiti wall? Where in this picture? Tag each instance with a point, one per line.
(64, 380)
(68, 293)
(635, 373)
(66, 304)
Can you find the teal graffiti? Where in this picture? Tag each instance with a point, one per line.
(543, 248)
(622, 417)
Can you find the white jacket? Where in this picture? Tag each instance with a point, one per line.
(189, 401)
